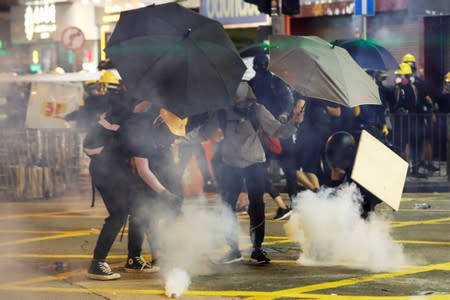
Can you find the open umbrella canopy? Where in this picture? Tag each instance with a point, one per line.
(175, 57)
(316, 69)
(368, 54)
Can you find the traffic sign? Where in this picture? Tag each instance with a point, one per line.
(364, 7)
(72, 38)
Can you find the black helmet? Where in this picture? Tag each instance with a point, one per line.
(340, 150)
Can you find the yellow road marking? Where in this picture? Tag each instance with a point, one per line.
(252, 294)
(424, 242)
(419, 222)
(51, 256)
(356, 280)
(294, 292)
(45, 278)
(46, 238)
(40, 214)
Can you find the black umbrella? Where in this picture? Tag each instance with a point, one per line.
(368, 54)
(175, 57)
(254, 50)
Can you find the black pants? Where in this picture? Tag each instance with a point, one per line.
(148, 210)
(110, 175)
(233, 179)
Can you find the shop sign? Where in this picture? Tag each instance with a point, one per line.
(327, 9)
(233, 13)
(40, 18)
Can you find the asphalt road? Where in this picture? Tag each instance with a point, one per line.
(46, 247)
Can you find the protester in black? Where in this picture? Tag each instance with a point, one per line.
(146, 138)
(408, 126)
(110, 172)
(272, 92)
(311, 138)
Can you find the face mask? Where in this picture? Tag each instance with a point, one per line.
(398, 80)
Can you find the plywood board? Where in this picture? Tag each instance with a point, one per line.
(380, 170)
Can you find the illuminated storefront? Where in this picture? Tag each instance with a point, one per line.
(241, 20)
(37, 27)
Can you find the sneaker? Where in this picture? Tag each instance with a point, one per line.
(138, 264)
(259, 257)
(282, 213)
(100, 270)
(232, 257)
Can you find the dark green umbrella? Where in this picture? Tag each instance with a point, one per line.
(175, 57)
(317, 69)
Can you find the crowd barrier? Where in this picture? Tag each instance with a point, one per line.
(48, 163)
(422, 139)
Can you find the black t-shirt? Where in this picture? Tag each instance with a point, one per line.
(141, 138)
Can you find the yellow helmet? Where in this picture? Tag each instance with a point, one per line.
(409, 58)
(404, 69)
(109, 77)
(447, 77)
(175, 124)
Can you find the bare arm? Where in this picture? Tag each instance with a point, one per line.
(147, 175)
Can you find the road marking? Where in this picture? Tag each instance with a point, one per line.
(250, 294)
(419, 222)
(355, 280)
(46, 238)
(41, 214)
(294, 292)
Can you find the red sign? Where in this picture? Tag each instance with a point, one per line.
(72, 38)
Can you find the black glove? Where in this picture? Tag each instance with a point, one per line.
(172, 200)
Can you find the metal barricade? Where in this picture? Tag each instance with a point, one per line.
(422, 140)
(40, 163)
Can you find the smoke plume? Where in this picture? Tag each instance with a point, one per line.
(190, 243)
(330, 231)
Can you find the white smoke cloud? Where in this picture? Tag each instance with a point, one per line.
(330, 231)
(191, 244)
(177, 281)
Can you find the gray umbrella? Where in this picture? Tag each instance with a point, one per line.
(317, 69)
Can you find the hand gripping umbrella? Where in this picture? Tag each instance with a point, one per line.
(368, 54)
(175, 57)
(317, 69)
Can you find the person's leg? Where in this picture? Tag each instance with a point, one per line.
(254, 176)
(288, 165)
(232, 186)
(112, 195)
(139, 226)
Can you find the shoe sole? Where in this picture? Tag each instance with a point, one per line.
(233, 261)
(153, 269)
(286, 215)
(103, 277)
(257, 262)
